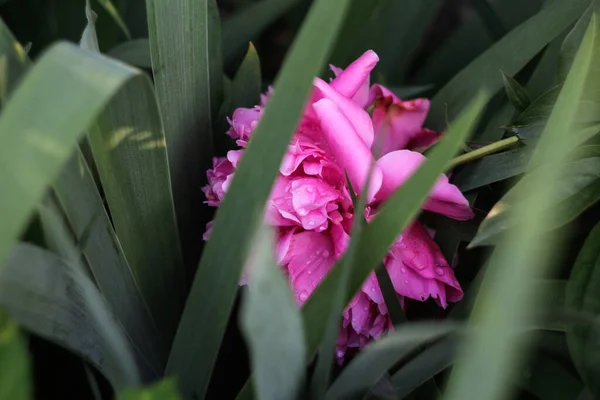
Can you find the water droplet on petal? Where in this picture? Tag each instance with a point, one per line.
(421, 266)
(303, 295)
(403, 270)
(309, 272)
(302, 212)
(366, 308)
(312, 223)
(406, 282)
(325, 253)
(353, 319)
(439, 271)
(400, 238)
(340, 353)
(309, 189)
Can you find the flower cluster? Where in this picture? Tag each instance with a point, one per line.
(311, 208)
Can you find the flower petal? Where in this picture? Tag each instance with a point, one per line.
(445, 198)
(348, 149)
(356, 76)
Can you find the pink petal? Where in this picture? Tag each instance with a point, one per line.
(310, 256)
(418, 269)
(358, 117)
(348, 149)
(445, 198)
(355, 77)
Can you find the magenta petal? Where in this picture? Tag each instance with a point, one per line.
(418, 269)
(358, 117)
(445, 198)
(348, 149)
(310, 256)
(353, 78)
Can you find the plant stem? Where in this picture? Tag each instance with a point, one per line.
(485, 151)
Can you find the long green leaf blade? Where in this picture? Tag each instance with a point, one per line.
(213, 292)
(185, 46)
(57, 302)
(32, 159)
(505, 295)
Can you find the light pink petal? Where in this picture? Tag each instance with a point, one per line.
(371, 288)
(351, 80)
(348, 149)
(361, 314)
(445, 198)
(284, 239)
(358, 118)
(310, 256)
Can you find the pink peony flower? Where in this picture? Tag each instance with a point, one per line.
(310, 204)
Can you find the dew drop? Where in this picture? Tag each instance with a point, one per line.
(372, 289)
(420, 266)
(340, 353)
(325, 253)
(302, 212)
(439, 271)
(312, 223)
(303, 295)
(309, 189)
(403, 270)
(366, 308)
(353, 319)
(406, 282)
(309, 272)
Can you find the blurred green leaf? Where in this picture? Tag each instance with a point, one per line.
(164, 390)
(57, 302)
(549, 380)
(15, 369)
(245, 25)
(128, 145)
(116, 16)
(577, 188)
(510, 54)
(390, 297)
(505, 302)
(491, 20)
(516, 94)
(185, 44)
(89, 39)
(583, 294)
(272, 325)
(569, 47)
(33, 158)
(135, 52)
(13, 62)
(372, 363)
(425, 365)
(215, 284)
(409, 92)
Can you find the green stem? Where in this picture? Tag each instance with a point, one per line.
(485, 151)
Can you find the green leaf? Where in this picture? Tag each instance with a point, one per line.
(245, 25)
(470, 40)
(549, 380)
(246, 86)
(15, 369)
(57, 302)
(516, 94)
(577, 189)
(426, 365)
(215, 284)
(583, 295)
(116, 16)
(272, 325)
(493, 168)
(32, 159)
(13, 62)
(164, 390)
(77, 193)
(505, 302)
(510, 54)
(390, 297)
(135, 52)
(491, 20)
(571, 44)
(185, 45)
(128, 145)
(89, 39)
(372, 363)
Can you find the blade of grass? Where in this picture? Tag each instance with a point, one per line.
(135, 52)
(510, 54)
(15, 368)
(13, 62)
(116, 16)
(504, 302)
(163, 390)
(185, 46)
(272, 325)
(217, 277)
(32, 158)
(57, 302)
